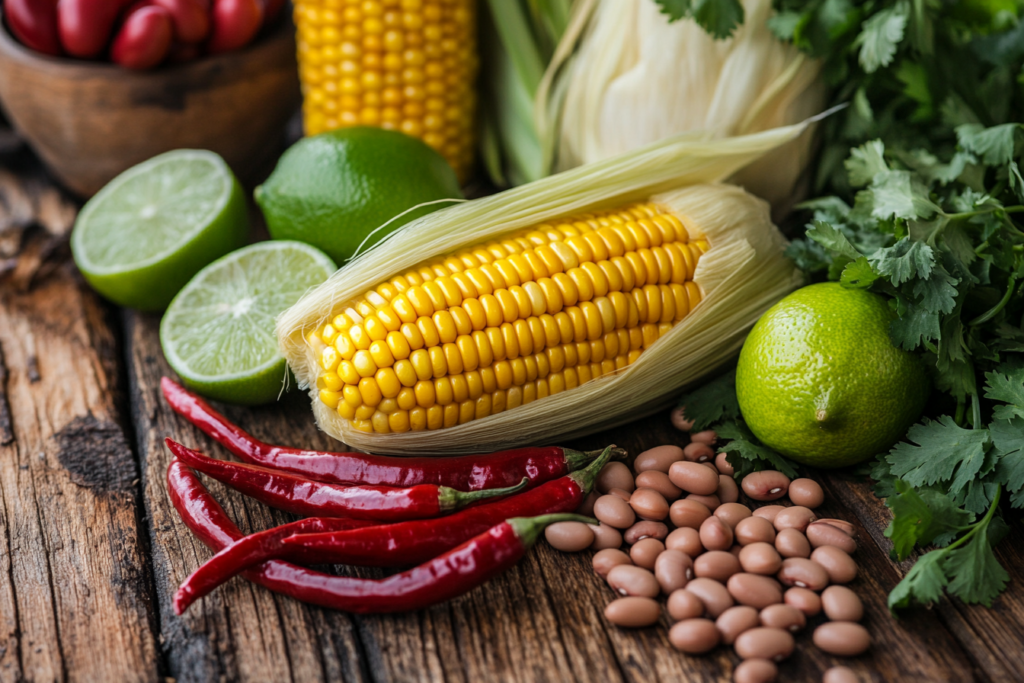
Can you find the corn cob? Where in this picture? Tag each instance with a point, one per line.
(407, 65)
(551, 310)
(497, 326)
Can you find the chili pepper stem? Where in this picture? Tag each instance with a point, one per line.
(586, 477)
(528, 529)
(577, 460)
(450, 499)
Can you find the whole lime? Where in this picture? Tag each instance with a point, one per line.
(820, 381)
(335, 190)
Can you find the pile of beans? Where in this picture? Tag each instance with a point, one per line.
(732, 575)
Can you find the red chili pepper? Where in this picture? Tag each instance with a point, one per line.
(34, 23)
(271, 8)
(465, 473)
(392, 545)
(85, 26)
(235, 24)
(316, 499)
(144, 38)
(206, 518)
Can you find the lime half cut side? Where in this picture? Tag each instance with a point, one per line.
(145, 234)
(218, 333)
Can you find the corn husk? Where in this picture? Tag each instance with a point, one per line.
(635, 78)
(742, 275)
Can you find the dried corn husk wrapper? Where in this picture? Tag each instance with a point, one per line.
(742, 274)
(634, 78)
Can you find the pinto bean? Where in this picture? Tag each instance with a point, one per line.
(711, 502)
(765, 485)
(694, 636)
(693, 478)
(765, 643)
(822, 533)
(714, 595)
(722, 464)
(716, 564)
(842, 638)
(732, 513)
(605, 560)
(806, 492)
(586, 508)
(605, 537)
(569, 537)
(842, 604)
(755, 671)
(715, 534)
(792, 543)
(805, 600)
(627, 579)
(679, 421)
(728, 491)
(734, 621)
(649, 504)
(685, 539)
(615, 475)
(659, 481)
(768, 512)
(783, 616)
(840, 674)
(754, 530)
(754, 590)
(840, 567)
(645, 529)
(760, 558)
(796, 517)
(659, 458)
(698, 452)
(633, 612)
(673, 569)
(645, 552)
(614, 512)
(683, 604)
(796, 571)
(688, 513)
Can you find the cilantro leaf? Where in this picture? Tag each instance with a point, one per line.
(832, 239)
(712, 402)
(880, 36)
(994, 145)
(746, 447)
(866, 162)
(915, 326)
(923, 584)
(904, 260)
(936, 450)
(937, 293)
(921, 518)
(858, 274)
(1007, 387)
(718, 17)
(1008, 438)
(976, 575)
(900, 194)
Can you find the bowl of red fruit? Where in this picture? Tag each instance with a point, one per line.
(97, 86)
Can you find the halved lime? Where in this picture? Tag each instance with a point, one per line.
(145, 234)
(218, 333)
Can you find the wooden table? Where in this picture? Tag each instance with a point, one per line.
(91, 549)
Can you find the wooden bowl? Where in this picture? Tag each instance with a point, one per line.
(91, 121)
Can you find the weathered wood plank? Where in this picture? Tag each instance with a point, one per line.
(75, 592)
(242, 632)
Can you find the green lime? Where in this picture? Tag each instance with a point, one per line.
(218, 333)
(336, 190)
(145, 234)
(820, 381)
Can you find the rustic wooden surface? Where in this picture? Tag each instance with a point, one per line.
(91, 549)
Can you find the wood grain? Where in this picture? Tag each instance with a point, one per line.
(75, 590)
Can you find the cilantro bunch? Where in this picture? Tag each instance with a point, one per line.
(939, 239)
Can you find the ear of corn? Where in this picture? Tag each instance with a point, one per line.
(407, 65)
(572, 304)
